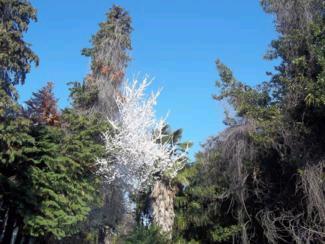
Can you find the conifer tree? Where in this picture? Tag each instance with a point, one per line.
(111, 44)
(109, 59)
(96, 95)
(61, 173)
(42, 108)
(267, 167)
(15, 145)
(16, 58)
(16, 55)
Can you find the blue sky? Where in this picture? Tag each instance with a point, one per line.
(176, 42)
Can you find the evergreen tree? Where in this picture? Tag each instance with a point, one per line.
(42, 108)
(267, 168)
(145, 235)
(200, 205)
(96, 96)
(16, 58)
(15, 145)
(61, 175)
(109, 59)
(16, 55)
(111, 43)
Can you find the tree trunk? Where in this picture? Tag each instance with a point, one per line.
(3, 220)
(9, 228)
(26, 240)
(108, 236)
(105, 235)
(162, 206)
(112, 212)
(19, 236)
(101, 235)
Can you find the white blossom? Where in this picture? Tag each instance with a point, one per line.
(135, 147)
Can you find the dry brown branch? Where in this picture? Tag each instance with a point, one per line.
(312, 183)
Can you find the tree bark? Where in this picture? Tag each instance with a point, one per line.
(101, 235)
(19, 236)
(9, 228)
(3, 220)
(162, 206)
(26, 240)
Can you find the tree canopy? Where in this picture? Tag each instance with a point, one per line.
(106, 170)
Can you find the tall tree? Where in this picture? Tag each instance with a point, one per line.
(141, 150)
(59, 179)
(137, 150)
(269, 163)
(109, 59)
(16, 55)
(96, 95)
(200, 204)
(16, 58)
(15, 144)
(162, 193)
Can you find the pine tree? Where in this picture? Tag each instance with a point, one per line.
(111, 43)
(145, 235)
(61, 175)
(16, 55)
(16, 59)
(109, 59)
(266, 169)
(96, 96)
(200, 205)
(42, 108)
(15, 145)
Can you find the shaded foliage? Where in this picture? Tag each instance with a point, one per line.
(16, 56)
(145, 235)
(267, 167)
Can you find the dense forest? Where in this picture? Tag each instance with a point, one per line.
(106, 170)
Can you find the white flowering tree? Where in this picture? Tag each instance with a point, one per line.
(136, 148)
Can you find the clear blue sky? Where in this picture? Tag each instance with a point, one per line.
(176, 42)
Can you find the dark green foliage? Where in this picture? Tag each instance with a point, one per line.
(15, 146)
(145, 235)
(48, 172)
(16, 55)
(15, 141)
(259, 180)
(62, 178)
(109, 59)
(96, 96)
(201, 214)
(84, 95)
(47, 179)
(61, 198)
(117, 28)
(83, 138)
